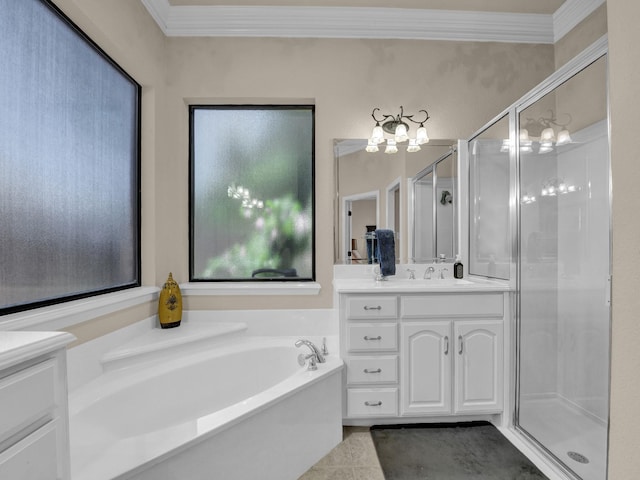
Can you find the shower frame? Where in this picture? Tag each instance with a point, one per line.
(590, 55)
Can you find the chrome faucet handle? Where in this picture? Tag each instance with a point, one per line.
(312, 362)
(412, 273)
(325, 350)
(442, 270)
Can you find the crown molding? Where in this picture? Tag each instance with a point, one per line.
(359, 22)
(570, 14)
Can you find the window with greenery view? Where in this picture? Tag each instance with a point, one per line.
(252, 193)
(69, 162)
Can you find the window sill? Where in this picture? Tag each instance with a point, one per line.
(249, 288)
(56, 317)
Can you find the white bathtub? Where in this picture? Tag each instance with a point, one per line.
(239, 409)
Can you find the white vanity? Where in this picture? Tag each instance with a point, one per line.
(34, 432)
(422, 349)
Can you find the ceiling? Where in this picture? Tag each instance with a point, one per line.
(514, 21)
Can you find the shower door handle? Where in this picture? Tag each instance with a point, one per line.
(460, 342)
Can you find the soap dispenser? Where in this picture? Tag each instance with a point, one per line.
(457, 268)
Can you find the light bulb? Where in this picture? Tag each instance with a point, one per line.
(401, 133)
(372, 146)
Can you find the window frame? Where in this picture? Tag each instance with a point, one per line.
(137, 171)
(256, 280)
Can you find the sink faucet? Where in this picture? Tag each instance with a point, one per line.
(314, 350)
(428, 272)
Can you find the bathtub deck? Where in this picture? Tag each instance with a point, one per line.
(164, 340)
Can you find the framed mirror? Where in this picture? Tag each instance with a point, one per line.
(382, 180)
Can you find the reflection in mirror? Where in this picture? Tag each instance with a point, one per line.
(489, 232)
(382, 178)
(434, 210)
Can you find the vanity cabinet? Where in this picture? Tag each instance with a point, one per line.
(451, 367)
(34, 430)
(370, 352)
(422, 354)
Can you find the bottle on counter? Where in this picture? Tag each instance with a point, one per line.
(457, 268)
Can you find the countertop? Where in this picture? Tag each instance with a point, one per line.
(18, 346)
(404, 285)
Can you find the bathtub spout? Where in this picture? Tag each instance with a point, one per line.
(315, 350)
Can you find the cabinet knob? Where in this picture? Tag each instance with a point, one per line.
(373, 404)
(367, 337)
(460, 342)
(379, 370)
(446, 345)
(366, 307)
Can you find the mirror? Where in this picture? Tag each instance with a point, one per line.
(433, 210)
(374, 187)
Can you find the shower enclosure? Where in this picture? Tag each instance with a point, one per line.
(553, 222)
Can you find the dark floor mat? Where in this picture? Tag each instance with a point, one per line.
(465, 451)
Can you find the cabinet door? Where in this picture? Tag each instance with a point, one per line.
(478, 366)
(426, 368)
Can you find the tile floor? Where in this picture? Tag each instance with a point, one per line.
(354, 458)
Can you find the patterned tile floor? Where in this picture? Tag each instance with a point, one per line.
(354, 458)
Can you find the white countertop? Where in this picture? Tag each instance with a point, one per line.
(18, 346)
(404, 285)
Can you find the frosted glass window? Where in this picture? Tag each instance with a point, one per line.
(252, 215)
(69, 160)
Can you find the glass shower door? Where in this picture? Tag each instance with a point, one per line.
(564, 273)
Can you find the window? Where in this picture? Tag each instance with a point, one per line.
(69, 157)
(252, 193)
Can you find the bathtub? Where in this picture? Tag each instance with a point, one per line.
(239, 409)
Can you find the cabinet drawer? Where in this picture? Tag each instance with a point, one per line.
(371, 307)
(371, 337)
(372, 402)
(383, 369)
(443, 305)
(25, 397)
(33, 458)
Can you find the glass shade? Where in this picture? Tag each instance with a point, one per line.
(372, 146)
(413, 146)
(563, 137)
(421, 136)
(401, 133)
(391, 147)
(547, 135)
(377, 135)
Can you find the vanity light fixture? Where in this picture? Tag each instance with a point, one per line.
(396, 126)
(542, 130)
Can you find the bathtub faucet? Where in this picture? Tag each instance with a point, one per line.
(314, 350)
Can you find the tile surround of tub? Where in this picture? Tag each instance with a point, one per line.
(355, 458)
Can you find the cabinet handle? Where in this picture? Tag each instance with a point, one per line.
(366, 307)
(460, 342)
(366, 370)
(373, 404)
(367, 337)
(446, 345)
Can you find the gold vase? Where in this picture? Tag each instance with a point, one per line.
(170, 304)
